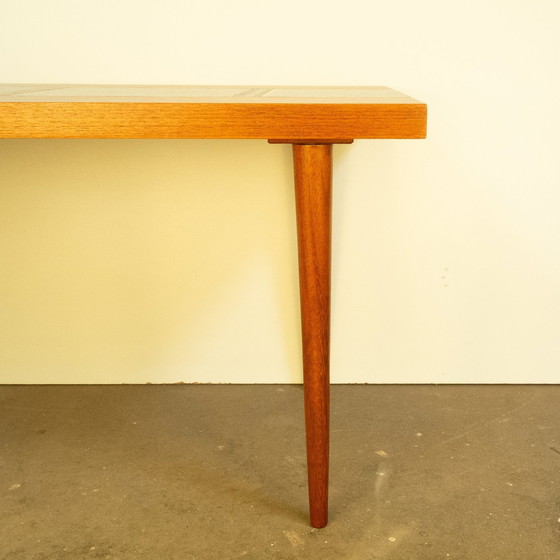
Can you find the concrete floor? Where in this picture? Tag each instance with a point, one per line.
(218, 471)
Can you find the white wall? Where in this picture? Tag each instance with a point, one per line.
(164, 261)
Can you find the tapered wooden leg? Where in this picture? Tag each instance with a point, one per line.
(313, 176)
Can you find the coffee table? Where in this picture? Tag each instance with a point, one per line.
(312, 119)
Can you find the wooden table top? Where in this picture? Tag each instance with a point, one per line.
(248, 112)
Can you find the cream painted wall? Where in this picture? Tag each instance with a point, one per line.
(168, 261)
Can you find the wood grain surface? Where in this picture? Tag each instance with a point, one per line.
(60, 113)
(313, 178)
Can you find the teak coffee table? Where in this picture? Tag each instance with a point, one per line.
(312, 119)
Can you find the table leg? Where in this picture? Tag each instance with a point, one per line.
(313, 176)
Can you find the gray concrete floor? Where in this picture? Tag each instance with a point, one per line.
(218, 471)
